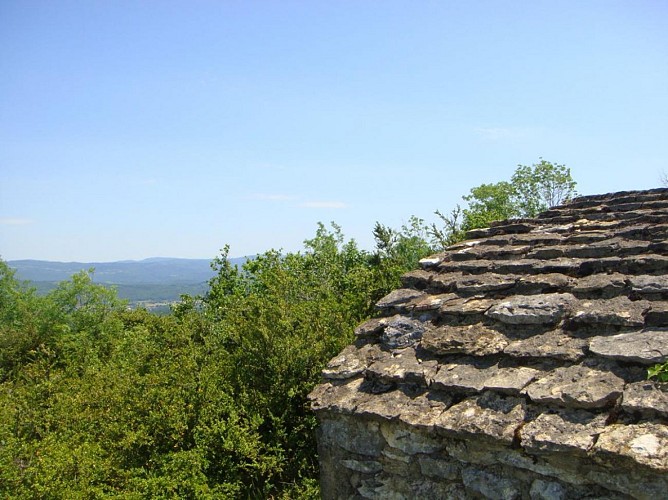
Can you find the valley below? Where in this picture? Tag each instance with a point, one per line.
(154, 283)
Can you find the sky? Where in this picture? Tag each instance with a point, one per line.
(136, 129)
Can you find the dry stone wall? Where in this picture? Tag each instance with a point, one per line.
(513, 365)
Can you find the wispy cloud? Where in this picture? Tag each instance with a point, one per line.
(496, 134)
(15, 221)
(284, 198)
(323, 204)
(272, 197)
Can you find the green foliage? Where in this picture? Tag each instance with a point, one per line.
(451, 230)
(278, 320)
(100, 401)
(489, 202)
(531, 190)
(20, 331)
(541, 186)
(659, 372)
(398, 251)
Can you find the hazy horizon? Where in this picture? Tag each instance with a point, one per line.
(132, 129)
(116, 261)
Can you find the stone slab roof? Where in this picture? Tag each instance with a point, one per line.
(535, 332)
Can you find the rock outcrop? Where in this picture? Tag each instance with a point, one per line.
(513, 365)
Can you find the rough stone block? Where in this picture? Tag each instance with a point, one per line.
(352, 361)
(386, 405)
(647, 346)
(553, 344)
(531, 309)
(476, 339)
(466, 306)
(577, 386)
(565, 431)
(429, 302)
(616, 311)
(440, 468)
(431, 261)
(489, 415)
(445, 281)
(657, 315)
(402, 332)
(353, 435)
(647, 284)
(646, 444)
(363, 466)
(371, 327)
(402, 366)
(409, 441)
(547, 490)
(467, 375)
(336, 396)
(543, 283)
(418, 279)
(485, 283)
(648, 398)
(490, 485)
(511, 380)
(423, 411)
(398, 297)
(600, 285)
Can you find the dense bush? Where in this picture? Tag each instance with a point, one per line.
(97, 400)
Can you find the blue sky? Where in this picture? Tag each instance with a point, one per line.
(158, 128)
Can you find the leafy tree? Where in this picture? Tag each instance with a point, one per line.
(531, 190)
(278, 320)
(541, 186)
(398, 251)
(451, 232)
(490, 202)
(19, 329)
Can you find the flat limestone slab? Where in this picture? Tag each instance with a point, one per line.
(646, 346)
(644, 443)
(648, 398)
(577, 386)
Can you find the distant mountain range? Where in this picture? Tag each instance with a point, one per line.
(154, 281)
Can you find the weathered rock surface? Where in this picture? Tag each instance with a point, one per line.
(577, 386)
(402, 366)
(398, 298)
(552, 344)
(402, 332)
(566, 430)
(600, 285)
(616, 311)
(512, 366)
(646, 346)
(485, 283)
(466, 307)
(545, 309)
(352, 361)
(467, 375)
(488, 414)
(543, 283)
(647, 398)
(645, 444)
(474, 339)
(649, 284)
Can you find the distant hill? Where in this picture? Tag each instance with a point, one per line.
(154, 281)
